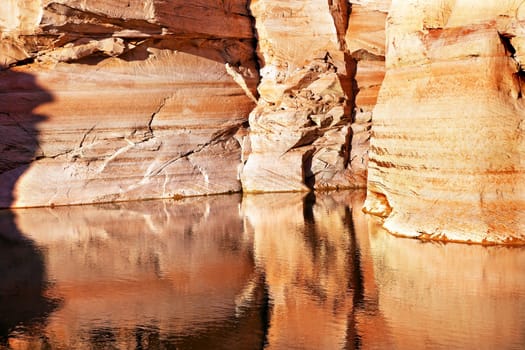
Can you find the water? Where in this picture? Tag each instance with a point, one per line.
(276, 271)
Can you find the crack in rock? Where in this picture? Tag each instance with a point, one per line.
(215, 139)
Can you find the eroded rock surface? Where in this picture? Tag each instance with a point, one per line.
(122, 100)
(365, 40)
(311, 127)
(299, 130)
(107, 101)
(446, 157)
(148, 99)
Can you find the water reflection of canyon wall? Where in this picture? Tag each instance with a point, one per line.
(434, 295)
(304, 245)
(276, 271)
(146, 274)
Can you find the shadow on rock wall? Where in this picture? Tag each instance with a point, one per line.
(20, 96)
(22, 269)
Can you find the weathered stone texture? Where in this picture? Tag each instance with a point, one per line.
(120, 101)
(365, 40)
(147, 99)
(446, 151)
(300, 131)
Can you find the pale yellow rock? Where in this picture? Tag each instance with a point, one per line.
(11, 52)
(300, 142)
(283, 45)
(20, 16)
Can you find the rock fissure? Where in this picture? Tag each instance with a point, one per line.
(86, 134)
(88, 63)
(216, 138)
(150, 133)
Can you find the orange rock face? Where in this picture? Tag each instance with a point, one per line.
(148, 100)
(365, 40)
(122, 101)
(445, 157)
(310, 128)
(103, 101)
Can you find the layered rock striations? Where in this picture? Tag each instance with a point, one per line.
(147, 99)
(106, 101)
(446, 156)
(299, 130)
(308, 130)
(110, 101)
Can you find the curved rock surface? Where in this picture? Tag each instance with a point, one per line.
(446, 157)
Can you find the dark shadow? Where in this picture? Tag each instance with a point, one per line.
(20, 95)
(22, 268)
(355, 284)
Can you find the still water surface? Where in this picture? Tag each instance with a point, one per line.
(276, 271)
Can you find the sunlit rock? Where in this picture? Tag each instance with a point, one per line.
(122, 100)
(299, 131)
(446, 151)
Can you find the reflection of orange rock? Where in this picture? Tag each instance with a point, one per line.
(176, 266)
(287, 270)
(448, 295)
(303, 250)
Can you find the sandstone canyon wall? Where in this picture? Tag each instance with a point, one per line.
(321, 63)
(108, 101)
(446, 155)
(119, 100)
